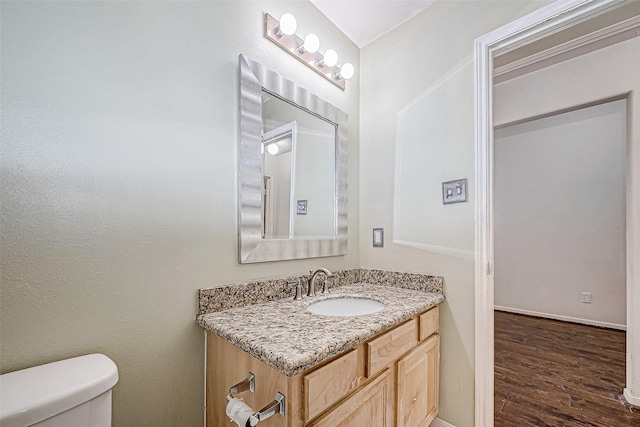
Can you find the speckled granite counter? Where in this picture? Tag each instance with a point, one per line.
(284, 335)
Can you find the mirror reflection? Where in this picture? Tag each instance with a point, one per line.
(292, 170)
(299, 172)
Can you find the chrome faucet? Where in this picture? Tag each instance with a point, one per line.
(312, 281)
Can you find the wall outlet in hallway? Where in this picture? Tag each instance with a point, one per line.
(586, 297)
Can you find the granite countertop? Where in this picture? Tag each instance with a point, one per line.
(284, 335)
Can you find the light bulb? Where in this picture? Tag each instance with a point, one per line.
(347, 71)
(273, 149)
(330, 58)
(288, 24)
(311, 43)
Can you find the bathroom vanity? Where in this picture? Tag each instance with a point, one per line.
(371, 369)
(379, 369)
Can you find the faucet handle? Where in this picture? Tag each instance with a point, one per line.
(325, 286)
(311, 291)
(298, 286)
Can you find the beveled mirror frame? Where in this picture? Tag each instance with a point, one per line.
(254, 77)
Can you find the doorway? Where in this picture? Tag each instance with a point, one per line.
(559, 234)
(545, 21)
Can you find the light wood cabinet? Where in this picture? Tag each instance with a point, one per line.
(370, 406)
(418, 382)
(226, 366)
(328, 384)
(390, 380)
(429, 323)
(389, 346)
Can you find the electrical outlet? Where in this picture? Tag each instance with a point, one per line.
(586, 297)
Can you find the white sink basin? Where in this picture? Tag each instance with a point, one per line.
(346, 307)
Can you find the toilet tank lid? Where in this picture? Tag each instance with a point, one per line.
(34, 394)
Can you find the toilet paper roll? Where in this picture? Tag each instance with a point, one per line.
(239, 412)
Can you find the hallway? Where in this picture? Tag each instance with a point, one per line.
(552, 373)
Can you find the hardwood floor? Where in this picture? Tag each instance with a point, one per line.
(552, 373)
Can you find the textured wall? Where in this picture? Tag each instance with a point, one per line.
(119, 134)
(400, 71)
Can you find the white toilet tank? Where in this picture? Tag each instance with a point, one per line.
(69, 393)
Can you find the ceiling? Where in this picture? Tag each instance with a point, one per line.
(363, 21)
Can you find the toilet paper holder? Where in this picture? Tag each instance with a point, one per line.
(277, 406)
(248, 383)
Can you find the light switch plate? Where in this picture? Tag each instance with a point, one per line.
(378, 237)
(301, 207)
(454, 191)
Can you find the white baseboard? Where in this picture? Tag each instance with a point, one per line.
(563, 318)
(635, 401)
(437, 422)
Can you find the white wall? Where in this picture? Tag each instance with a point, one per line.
(422, 126)
(603, 74)
(560, 215)
(278, 168)
(315, 181)
(398, 68)
(119, 135)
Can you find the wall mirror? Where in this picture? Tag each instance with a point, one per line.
(292, 170)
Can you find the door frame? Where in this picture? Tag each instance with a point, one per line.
(551, 18)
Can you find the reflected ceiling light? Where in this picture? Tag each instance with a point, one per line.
(273, 149)
(306, 51)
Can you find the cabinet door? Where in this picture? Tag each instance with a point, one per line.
(418, 377)
(371, 406)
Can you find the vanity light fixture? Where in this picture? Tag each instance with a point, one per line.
(288, 25)
(305, 50)
(347, 71)
(330, 59)
(311, 44)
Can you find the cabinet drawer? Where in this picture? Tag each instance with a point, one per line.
(388, 347)
(429, 323)
(328, 384)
